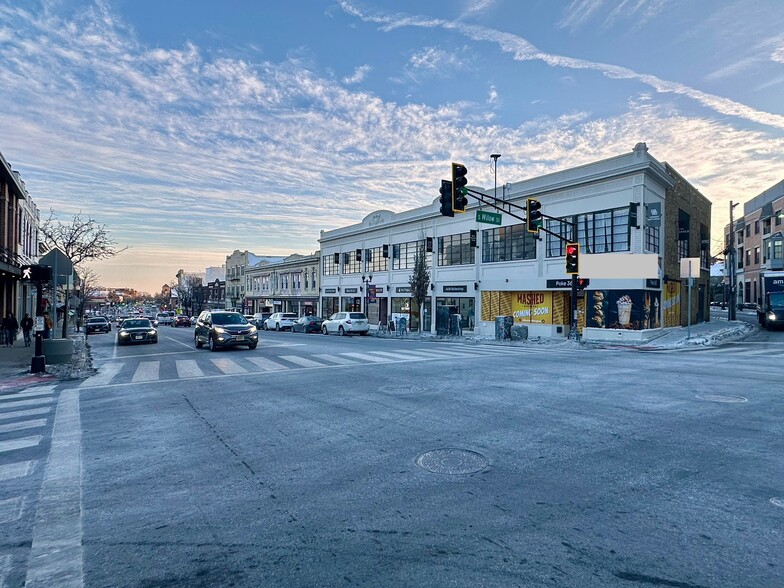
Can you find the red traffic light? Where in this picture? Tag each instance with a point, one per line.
(571, 249)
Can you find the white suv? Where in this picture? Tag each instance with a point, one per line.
(280, 321)
(346, 323)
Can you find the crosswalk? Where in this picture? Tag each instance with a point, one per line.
(748, 349)
(129, 371)
(24, 418)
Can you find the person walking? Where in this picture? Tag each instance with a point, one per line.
(10, 327)
(48, 325)
(27, 327)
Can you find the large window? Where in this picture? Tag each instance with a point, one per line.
(455, 250)
(375, 260)
(508, 244)
(330, 267)
(350, 263)
(604, 231)
(404, 254)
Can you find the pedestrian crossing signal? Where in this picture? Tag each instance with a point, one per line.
(36, 273)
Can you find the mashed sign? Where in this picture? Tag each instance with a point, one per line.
(532, 307)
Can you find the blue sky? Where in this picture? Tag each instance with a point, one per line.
(192, 127)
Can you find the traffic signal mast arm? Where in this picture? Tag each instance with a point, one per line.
(481, 197)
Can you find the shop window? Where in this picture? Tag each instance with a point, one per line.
(456, 250)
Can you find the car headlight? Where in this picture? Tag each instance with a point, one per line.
(220, 330)
(123, 333)
(152, 332)
(771, 316)
(252, 329)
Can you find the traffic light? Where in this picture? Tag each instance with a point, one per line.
(446, 198)
(358, 255)
(573, 258)
(582, 283)
(459, 190)
(429, 244)
(472, 238)
(533, 215)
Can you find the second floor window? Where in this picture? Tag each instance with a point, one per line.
(404, 254)
(604, 231)
(375, 260)
(330, 267)
(455, 250)
(350, 263)
(508, 244)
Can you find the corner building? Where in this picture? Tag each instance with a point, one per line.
(482, 270)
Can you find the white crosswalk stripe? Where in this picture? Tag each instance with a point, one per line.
(188, 368)
(397, 355)
(26, 402)
(14, 470)
(104, 375)
(267, 364)
(228, 366)
(148, 371)
(304, 362)
(5, 569)
(336, 359)
(365, 357)
(32, 394)
(23, 425)
(23, 443)
(5, 416)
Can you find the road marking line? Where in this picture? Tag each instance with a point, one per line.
(103, 377)
(24, 395)
(5, 569)
(228, 366)
(365, 357)
(26, 402)
(23, 443)
(56, 554)
(11, 509)
(267, 364)
(147, 371)
(398, 356)
(336, 359)
(189, 346)
(301, 361)
(127, 357)
(6, 416)
(188, 368)
(21, 426)
(18, 469)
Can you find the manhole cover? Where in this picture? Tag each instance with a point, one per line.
(720, 398)
(452, 461)
(777, 502)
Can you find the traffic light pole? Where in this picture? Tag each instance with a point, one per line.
(573, 327)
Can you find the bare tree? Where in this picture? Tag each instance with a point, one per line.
(81, 239)
(89, 290)
(420, 280)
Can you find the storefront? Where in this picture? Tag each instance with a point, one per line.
(464, 305)
(329, 302)
(351, 301)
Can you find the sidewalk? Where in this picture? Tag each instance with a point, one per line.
(15, 365)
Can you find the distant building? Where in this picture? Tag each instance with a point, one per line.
(236, 265)
(290, 285)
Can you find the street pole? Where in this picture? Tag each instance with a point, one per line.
(573, 329)
(731, 311)
(688, 331)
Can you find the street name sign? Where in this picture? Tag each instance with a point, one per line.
(490, 218)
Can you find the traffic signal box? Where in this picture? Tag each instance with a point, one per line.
(459, 190)
(446, 198)
(533, 215)
(573, 258)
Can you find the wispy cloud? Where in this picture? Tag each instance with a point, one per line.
(778, 55)
(358, 76)
(580, 12)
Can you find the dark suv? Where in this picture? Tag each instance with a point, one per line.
(222, 328)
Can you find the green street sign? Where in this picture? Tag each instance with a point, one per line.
(491, 218)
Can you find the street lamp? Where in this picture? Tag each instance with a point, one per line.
(495, 157)
(366, 280)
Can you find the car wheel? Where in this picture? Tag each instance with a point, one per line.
(341, 332)
(213, 345)
(198, 343)
(252, 345)
(324, 330)
(277, 326)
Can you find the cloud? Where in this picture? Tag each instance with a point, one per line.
(492, 95)
(580, 12)
(358, 75)
(523, 50)
(474, 8)
(778, 55)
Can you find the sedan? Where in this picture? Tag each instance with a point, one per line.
(346, 323)
(307, 324)
(98, 324)
(137, 330)
(182, 321)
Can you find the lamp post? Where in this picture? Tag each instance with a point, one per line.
(495, 157)
(731, 312)
(366, 280)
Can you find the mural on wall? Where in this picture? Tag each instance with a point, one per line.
(623, 309)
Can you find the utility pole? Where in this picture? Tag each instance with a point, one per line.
(732, 309)
(573, 329)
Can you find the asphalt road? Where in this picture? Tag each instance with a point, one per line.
(329, 461)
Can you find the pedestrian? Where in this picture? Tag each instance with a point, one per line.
(10, 327)
(48, 325)
(27, 327)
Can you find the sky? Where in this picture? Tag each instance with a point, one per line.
(191, 128)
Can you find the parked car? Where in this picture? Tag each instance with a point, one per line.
(260, 317)
(346, 323)
(280, 321)
(137, 330)
(98, 324)
(224, 328)
(182, 321)
(307, 324)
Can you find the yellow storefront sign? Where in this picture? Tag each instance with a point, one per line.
(532, 307)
